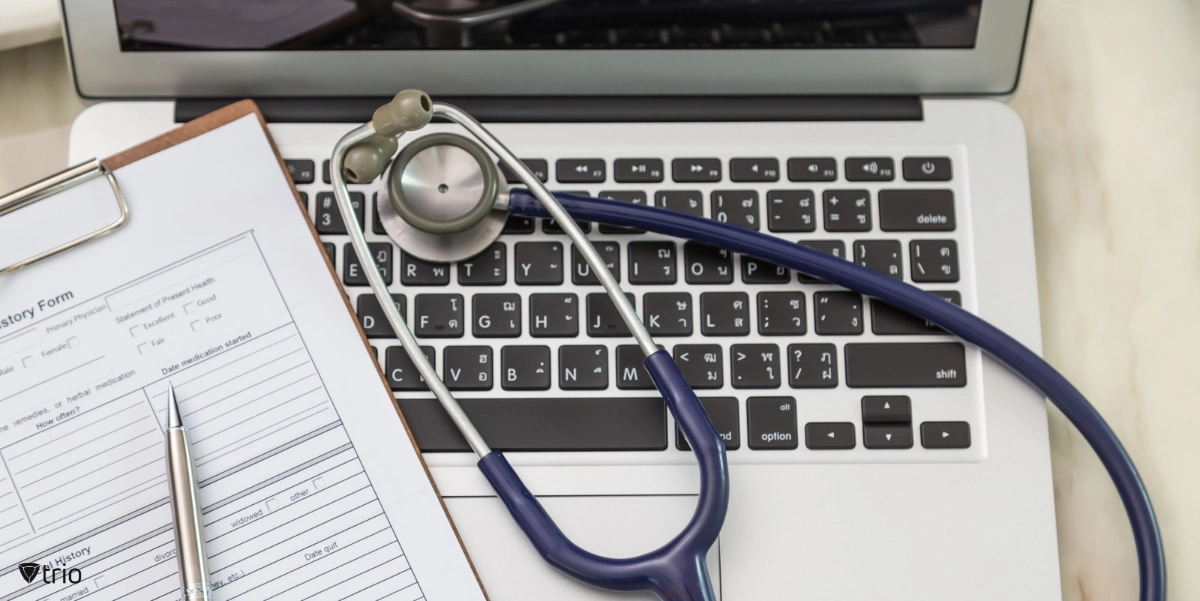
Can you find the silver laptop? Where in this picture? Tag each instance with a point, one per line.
(872, 456)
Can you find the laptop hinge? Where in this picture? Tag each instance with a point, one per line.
(594, 109)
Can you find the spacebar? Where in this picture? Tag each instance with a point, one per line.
(544, 424)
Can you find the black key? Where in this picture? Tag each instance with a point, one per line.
(946, 435)
(518, 225)
(419, 272)
(551, 226)
(916, 211)
(304, 201)
(836, 248)
(329, 218)
(791, 211)
(812, 169)
(544, 424)
(829, 436)
(886, 409)
(682, 201)
(771, 422)
(870, 169)
(330, 251)
(603, 318)
(707, 264)
(696, 170)
(754, 365)
(525, 367)
(847, 210)
(884, 256)
(496, 315)
(755, 271)
(668, 313)
(302, 171)
(754, 170)
(468, 367)
(652, 263)
(837, 313)
(539, 167)
(906, 365)
(538, 263)
(325, 171)
(631, 369)
(580, 171)
(934, 260)
(583, 367)
(488, 268)
(736, 207)
(402, 374)
(371, 317)
(927, 169)
(636, 197)
(438, 315)
(581, 271)
(723, 412)
(812, 366)
(353, 275)
(553, 315)
(638, 171)
(781, 314)
(887, 436)
(701, 365)
(888, 320)
(724, 314)
(376, 222)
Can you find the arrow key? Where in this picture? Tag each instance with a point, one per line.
(890, 436)
(946, 435)
(887, 410)
(826, 436)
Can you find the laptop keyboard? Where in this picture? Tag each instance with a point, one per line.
(789, 368)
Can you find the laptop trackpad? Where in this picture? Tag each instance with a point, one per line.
(611, 526)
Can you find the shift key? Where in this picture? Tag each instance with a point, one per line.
(906, 365)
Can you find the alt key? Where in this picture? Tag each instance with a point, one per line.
(772, 422)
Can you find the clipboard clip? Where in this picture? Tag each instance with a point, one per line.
(53, 185)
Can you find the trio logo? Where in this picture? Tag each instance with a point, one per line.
(50, 575)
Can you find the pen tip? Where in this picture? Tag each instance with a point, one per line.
(173, 418)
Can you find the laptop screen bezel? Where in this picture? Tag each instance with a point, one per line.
(101, 70)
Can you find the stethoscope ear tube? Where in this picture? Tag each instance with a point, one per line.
(1001, 346)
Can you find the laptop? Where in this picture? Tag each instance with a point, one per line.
(871, 455)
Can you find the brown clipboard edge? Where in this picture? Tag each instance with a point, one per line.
(223, 116)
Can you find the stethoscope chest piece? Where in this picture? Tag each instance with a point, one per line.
(437, 201)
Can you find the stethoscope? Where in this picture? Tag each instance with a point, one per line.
(443, 200)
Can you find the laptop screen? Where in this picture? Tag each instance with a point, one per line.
(164, 25)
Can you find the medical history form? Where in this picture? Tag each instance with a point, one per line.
(310, 485)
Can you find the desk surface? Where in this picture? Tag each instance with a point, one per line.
(1109, 98)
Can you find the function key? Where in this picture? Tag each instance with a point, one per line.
(946, 435)
(847, 211)
(580, 171)
(916, 210)
(539, 167)
(638, 171)
(870, 169)
(771, 423)
(812, 169)
(518, 225)
(303, 171)
(754, 170)
(927, 169)
(829, 436)
(696, 170)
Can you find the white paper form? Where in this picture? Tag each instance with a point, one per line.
(309, 484)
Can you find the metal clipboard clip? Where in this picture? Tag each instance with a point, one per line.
(55, 184)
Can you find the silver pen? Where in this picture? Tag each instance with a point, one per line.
(185, 508)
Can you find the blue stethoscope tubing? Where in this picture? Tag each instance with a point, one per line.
(556, 549)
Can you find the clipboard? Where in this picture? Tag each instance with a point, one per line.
(107, 173)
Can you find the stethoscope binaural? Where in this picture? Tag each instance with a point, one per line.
(443, 200)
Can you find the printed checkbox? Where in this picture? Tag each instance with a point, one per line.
(272, 504)
(27, 361)
(189, 308)
(318, 483)
(136, 331)
(144, 348)
(100, 582)
(73, 342)
(197, 325)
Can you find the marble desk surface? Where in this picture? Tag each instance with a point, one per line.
(1110, 97)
